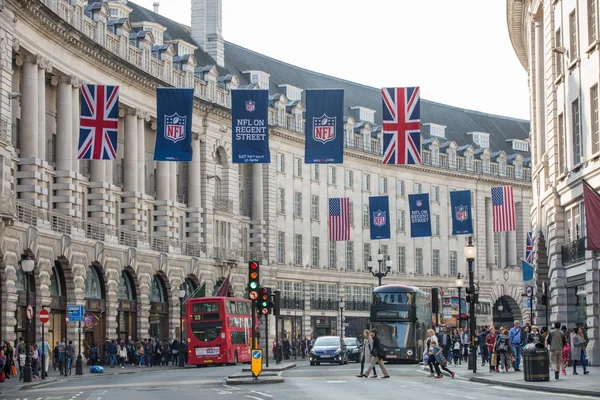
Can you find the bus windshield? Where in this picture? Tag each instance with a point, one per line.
(206, 331)
(393, 298)
(395, 335)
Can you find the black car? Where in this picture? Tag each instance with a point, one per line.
(328, 349)
(353, 348)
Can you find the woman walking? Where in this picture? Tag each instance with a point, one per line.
(566, 353)
(535, 336)
(440, 360)
(490, 341)
(504, 351)
(9, 354)
(377, 353)
(430, 353)
(365, 353)
(578, 350)
(456, 346)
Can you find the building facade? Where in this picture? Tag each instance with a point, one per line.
(557, 43)
(121, 237)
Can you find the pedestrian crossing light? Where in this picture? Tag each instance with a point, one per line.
(264, 302)
(253, 279)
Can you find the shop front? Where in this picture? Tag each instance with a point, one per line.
(23, 285)
(95, 310)
(127, 311)
(159, 309)
(354, 326)
(323, 326)
(58, 305)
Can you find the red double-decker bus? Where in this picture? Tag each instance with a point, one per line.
(218, 330)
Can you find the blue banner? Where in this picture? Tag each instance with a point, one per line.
(379, 207)
(324, 130)
(173, 124)
(460, 207)
(250, 126)
(420, 217)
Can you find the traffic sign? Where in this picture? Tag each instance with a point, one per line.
(75, 313)
(44, 316)
(256, 365)
(441, 292)
(529, 291)
(29, 312)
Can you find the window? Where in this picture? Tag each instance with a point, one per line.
(520, 145)
(401, 259)
(366, 184)
(332, 254)
(592, 22)
(297, 167)
(561, 144)
(314, 207)
(470, 164)
(435, 193)
(314, 172)
(281, 203)
(435, 262)
(280, 162)
(298, 204)
(350, 255)
(437, 130)
(573, 35)
(594, 112)
(332, 177)
(497, 249)
(502, 167)
(436, 225)
(486, 166)
(366, 219)
(400, 221)
(366, 255)
(400, 188)
(298, 249)
(481, 139)
(453, 266)
(315, 251)
(576, 132)
(559, 60)
(419, 261)
(383, 185)
(417, 188)
(260, 78)
(281, 247)
(349, 179)
(351, 212)
(384, 251)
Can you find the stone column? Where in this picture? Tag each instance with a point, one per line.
(257, 223)
(163, 172)
(539, 92)
(511, 248)
(141, 153)
(131, 152)
(41, 152)
(76, 85)
(503, 259)
(64, 125)
(489, 232)
(172, 181)
(194, 211)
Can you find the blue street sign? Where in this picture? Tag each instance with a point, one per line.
(256, 354)
(75, 313)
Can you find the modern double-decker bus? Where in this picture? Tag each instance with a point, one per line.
(218, 330)
(401, 314)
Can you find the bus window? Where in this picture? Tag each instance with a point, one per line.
(238, 337)
(394, 298)
(206, 332)
(205, 307)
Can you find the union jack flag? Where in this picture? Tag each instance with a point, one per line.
(99, 122)
(401, 125)
(529, 248)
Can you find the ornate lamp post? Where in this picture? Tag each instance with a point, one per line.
(182, 293)
(27, 264)
(380, 260)
(459, 284)
(470, 254)
(342, 305)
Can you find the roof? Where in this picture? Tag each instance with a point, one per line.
(458, 121)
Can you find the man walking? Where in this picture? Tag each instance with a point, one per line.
(482, 346)
(517, 339)
(445, 342)
(556, 340)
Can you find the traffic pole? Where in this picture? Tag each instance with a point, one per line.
(252, 346)
(267, 339)
(43, 354)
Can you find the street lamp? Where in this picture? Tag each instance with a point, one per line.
(470, 254)
(500, 308)
(182, 293)
(342, 305)
(459, 284)
(27, 264)
(380, 261)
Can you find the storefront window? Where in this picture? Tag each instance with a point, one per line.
(93, 289)
(157, 293)
(125, 289)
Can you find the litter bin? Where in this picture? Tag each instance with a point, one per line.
(536, 364)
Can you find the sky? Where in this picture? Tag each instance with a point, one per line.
(458, 52)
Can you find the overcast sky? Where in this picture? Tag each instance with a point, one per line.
(458, 51)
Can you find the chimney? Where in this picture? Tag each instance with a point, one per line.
(156, 4)
(207, 18)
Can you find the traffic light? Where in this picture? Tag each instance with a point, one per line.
(264, 302)
(253, 280)
(276, 301)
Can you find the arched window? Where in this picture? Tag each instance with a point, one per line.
(157, 291)
(125, 289)
(56, 288)
(218, 184)
(93, 284)
(189, 285)
(20, 282)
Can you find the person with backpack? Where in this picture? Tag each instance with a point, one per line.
(556, 341)
(94, 354)
(377, 353)
(504, 350)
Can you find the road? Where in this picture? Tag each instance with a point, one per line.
(331, 382)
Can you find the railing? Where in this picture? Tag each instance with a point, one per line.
(194, 249)
(134, 55)
(156, 68)
(356, 305)
(573, 252)
(225, 253)
(318, 304)
(223, 204)
(65, 11)
(89, 28)
(112, 43)
(178, 78)
(292, 304)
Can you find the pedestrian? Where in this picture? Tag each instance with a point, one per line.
(123, 354)
(365, 353)
(456, 346)
(566, 353)
(465, 339)
(440, 361)
(70, 355)
(55, 357)
(62, 347)
(578, 344)
(8, 358)
(556, 342)
(35, 355)
(377, 353)
(490, 342)
(504, 350)
(429, 354)
(483, 349)
(44, 347)
(445, 341)
(534, 336)
(141, 353)
(94, 354)
(517, 340)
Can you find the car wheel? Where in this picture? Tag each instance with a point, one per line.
(341, 362)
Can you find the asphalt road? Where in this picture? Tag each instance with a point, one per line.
(331, 382)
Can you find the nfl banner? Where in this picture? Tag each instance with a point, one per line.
(174, 124)
(250, 126)
(420, 220)
(460, 206)
(379, 207)
(324, 128)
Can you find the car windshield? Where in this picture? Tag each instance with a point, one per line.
(350, 341)
(327, 341)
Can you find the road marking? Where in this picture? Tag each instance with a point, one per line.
(255, 398)
(231, 387)
(261, 393)
(337, 381)
(451, 394)
(470, 398)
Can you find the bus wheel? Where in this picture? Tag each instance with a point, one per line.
(235, 358)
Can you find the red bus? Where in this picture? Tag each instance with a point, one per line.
(218, 330)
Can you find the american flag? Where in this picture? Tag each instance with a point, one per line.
(503, 209)
(99, 122)
(529, 248)
(339, 219)
(401, 125)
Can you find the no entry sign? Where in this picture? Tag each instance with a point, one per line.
(44, 316)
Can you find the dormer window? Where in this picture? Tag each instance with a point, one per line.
(520, 145)
(259, 78)
(292, 92)
(437, 130)
(481, 139)
(364, 114)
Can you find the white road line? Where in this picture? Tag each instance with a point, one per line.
(337, 381)
(231, 387)
(261, 393)
(470, 398)
(255, 398)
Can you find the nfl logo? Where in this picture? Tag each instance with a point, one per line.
(379, 218)
(324, 128)
(419, 203)
(461, 214)
(175, 127)
(250, 106)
